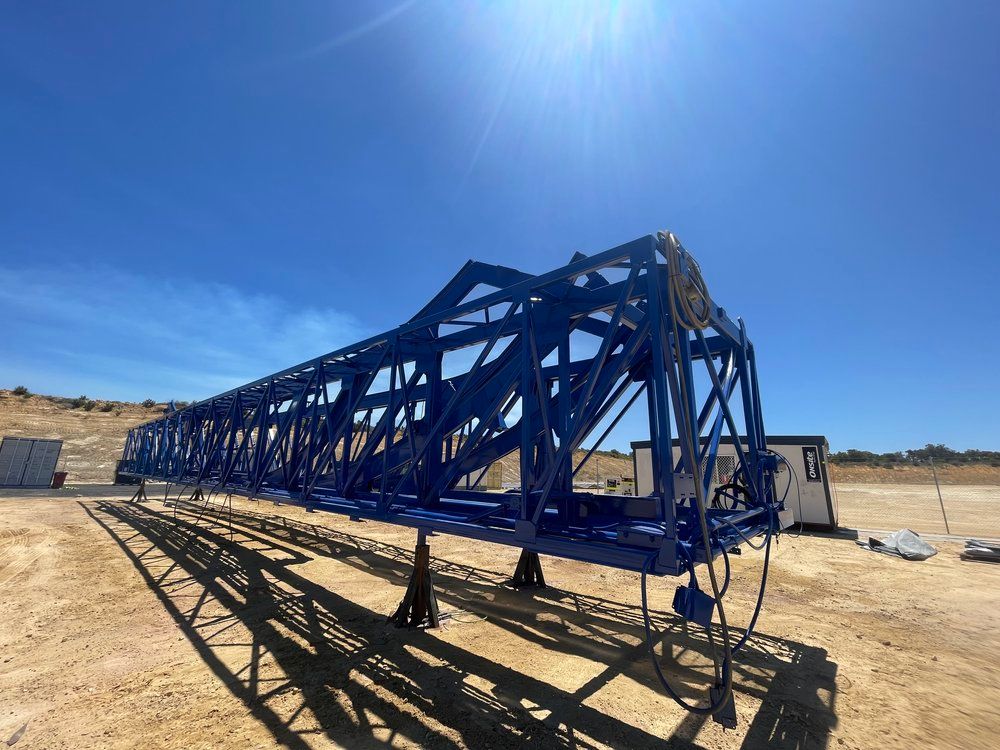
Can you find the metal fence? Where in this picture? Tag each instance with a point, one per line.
(927, 497)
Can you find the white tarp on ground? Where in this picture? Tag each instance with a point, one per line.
(903, 543)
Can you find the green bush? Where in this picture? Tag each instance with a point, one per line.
(107, 406)
(931, 452)
(148, 403)
(21, 391)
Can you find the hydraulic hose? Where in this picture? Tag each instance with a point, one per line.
(690, 308)
(771, 531)
(729, 572)
(688, 293)
(702, 710)
(798, 488)
(760, 592)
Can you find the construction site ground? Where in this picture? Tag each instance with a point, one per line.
(129, 625)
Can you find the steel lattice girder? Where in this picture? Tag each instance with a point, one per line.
(467, 381)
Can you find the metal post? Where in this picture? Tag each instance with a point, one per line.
(140, 494)
(528, 571)
(419, 607)
(937, 485)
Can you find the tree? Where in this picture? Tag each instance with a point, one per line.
(937, 452)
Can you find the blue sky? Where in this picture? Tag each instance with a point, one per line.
(196, 194)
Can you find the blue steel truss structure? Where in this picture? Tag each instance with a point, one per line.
(403, 426)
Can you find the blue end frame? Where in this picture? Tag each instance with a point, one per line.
(316, 434)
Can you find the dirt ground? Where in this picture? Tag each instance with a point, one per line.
(972, 510)
(122, 627)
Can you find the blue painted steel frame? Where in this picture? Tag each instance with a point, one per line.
(316, 434)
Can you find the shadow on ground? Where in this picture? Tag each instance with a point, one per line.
(365, 684)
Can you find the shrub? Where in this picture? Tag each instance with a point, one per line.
(107, 406)
(21, 391)
(82, 402)
(148, 403)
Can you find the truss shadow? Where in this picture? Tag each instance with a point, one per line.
(317, 662)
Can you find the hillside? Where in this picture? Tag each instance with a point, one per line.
(94, 433)
(863, 473)
(92, 439)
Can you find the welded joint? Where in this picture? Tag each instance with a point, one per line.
(525, 531)
(666, 559)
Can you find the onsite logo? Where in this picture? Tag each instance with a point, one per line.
(810, 457)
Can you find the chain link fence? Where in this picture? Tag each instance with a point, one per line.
(926, 496)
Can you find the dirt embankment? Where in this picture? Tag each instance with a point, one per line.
(93, 439)
(947, 474)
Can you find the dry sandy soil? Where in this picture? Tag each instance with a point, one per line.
(122, 627)
(972, 510)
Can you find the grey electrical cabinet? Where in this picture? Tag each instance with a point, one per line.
(28, 462)
(807, 491)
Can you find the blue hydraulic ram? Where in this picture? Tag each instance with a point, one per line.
(403, 427)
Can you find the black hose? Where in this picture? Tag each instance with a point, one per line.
(729, 572)
(735, 488)
(701, 710)
(685, 291)
(760, 593)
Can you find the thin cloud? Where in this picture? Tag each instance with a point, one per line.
(129, 336)
(346, 37)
